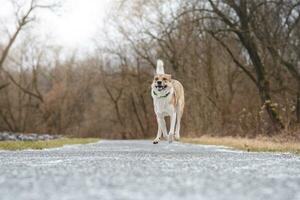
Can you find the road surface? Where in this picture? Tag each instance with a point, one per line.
(124, 170)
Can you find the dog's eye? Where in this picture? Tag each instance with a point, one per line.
(156, 79)
(164, 79)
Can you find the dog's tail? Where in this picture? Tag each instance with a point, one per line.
(160, 67)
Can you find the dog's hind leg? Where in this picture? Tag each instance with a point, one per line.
(172, 127)
(177, 131)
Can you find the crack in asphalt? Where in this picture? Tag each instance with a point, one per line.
(137, 169)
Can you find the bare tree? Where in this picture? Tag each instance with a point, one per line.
(24, 16)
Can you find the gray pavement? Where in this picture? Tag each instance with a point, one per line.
(140, 170)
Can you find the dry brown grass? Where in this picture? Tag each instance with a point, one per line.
(21, 145)
(262, 144)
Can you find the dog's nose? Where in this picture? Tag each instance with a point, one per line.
(158, 82)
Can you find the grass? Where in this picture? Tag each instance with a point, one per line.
(251, 145)
(22, 145)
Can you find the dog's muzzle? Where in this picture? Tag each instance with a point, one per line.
(160, 87)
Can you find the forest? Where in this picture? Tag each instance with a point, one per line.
(238, 60)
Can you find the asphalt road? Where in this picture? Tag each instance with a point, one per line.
(140, 170)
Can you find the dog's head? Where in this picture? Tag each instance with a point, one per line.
(161, 82)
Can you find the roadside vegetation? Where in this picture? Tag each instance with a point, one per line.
(237, 60)
(38, 145)
(261, 144)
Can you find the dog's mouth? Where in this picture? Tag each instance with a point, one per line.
(160, 87)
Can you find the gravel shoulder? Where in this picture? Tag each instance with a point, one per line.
(140, 170)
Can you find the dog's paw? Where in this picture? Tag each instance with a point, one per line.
(155, 141)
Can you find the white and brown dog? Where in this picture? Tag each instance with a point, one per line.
(168, 99)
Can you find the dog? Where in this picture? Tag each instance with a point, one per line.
(168, 100)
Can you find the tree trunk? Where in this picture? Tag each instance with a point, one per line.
(263, 85)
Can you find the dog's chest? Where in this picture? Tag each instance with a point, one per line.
(163, 106)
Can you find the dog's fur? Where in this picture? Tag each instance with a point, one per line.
(168, 99)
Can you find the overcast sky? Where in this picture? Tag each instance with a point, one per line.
(73, 26)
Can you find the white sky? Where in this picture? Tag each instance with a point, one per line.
(73, 26)
(78, 23)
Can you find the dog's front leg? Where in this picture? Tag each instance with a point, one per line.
(158, 136)
(162, 129)
(172, 127)
(162, 125)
